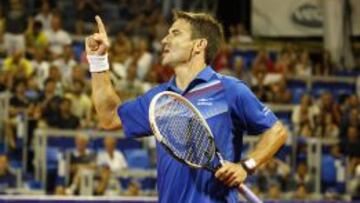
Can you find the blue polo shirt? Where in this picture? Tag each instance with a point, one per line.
(229, 107)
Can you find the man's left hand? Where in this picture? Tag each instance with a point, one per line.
(231, 174)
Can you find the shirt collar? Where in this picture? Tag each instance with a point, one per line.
(203, 76)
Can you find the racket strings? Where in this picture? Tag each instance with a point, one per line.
(183, 131)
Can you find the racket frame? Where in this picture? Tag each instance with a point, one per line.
(159, 137)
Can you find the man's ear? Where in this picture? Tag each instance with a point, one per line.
(200, 45)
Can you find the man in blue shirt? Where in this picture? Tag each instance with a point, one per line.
(227, 104)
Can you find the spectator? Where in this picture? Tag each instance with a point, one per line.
(328, 105)
(109, 162)
(280, 94)
(86, 10)
(283, 63)
(274, 171)
(35, 38)
(7, 179)
(49, 102)
(142, 59)
(5, 81)
(81, 159)
(333, 171)
(304, 177)
(263, 58)
(274, 191)
(65, 61)
(304, 114)
(45, 15)
(19, 105)
(16, 21)
(301, 193)
(41, 66)
(325, 66)
(351, 144)
(58, 37)
(303, 67)
(66, 119)
(77, 74)
(80, 101)
(331, 130)
(111, 157)
(55, 75)
(18, 66)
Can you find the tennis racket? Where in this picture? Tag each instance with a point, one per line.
(181, 129)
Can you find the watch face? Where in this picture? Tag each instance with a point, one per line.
(250, 163)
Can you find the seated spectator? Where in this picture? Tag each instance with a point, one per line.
(274, 171)
(40, 65)
(57, 37)
(304, 177)
(283, 64)
(65, 61)
(49, 102)
(55, 74)
(263, 57)
(80, 102)
(19, 105)
(274, 191)
(280, 94)
(78, 73)
(325, 66)
(66, 119)
(81, 159)
(109, 162)
(331, 130)
(45, 15)
(35, 37)
(328, 105)
(133, 189)
(304, 113)
(5, 81)
(18, 66)
(332, 170)
(7, 179)
(351, 144)
(16, 21)
(301, 193)
(354, 177)
(303, 67)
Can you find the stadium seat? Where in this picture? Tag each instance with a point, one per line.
(52, 158)
(137, 158)
(61, 142)
(34, 185)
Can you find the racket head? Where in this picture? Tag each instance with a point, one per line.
(179, 126)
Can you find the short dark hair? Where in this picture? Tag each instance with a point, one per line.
(204, 26)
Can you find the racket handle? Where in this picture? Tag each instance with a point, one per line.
(248, 194)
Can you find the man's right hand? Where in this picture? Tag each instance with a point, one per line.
(98, 43)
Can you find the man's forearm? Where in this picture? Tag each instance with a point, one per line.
(105, 100)
(269, 143)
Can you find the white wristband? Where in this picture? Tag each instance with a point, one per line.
(98, 63)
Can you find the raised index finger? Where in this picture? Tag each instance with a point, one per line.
(100, 25)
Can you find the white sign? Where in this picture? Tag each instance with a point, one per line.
(294, 18)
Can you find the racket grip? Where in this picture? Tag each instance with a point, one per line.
(248, 194)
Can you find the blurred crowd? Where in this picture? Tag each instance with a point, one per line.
(44, 68)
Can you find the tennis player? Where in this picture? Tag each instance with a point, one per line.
(227, 104)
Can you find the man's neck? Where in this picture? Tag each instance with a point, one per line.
(187, 72)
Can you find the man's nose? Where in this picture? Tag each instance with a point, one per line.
(165, 39)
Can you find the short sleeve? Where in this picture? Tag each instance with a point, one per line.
(134, 115)
(253, 114)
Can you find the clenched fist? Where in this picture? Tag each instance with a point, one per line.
(98, 43)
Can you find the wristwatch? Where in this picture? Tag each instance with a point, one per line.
(249, 165)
